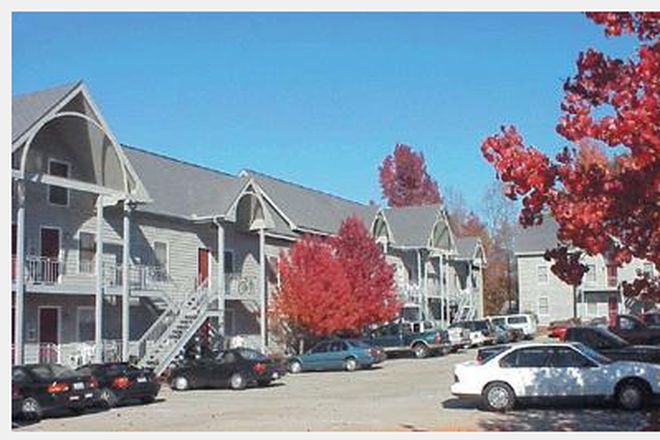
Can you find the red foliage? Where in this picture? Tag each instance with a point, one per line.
(336, 285)
(604, 202)
(405, 181)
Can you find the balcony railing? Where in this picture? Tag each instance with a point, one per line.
(73, 354)
(140, 277)
(40, 270)
(239, 286)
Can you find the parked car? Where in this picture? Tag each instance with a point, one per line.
(51, 388)
(651, 319)
(502, 334)
(607, 343)
(485, 353)
(516, 334)
(560, 371)
(526, 322)
(236, 368)
(557, 329)
(337, 354)
(633, 330)
(481, 331)
(121, 382)
(458, 338)
(16, 401)
(407, 337)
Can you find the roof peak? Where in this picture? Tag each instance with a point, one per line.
(68, 85)
(306, 188)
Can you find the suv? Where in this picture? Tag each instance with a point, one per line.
(481, 331)
(417, 338)
(528, 323)
(634, 330)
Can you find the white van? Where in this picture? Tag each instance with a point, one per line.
(528, 323)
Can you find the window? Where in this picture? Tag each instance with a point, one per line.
(160, 254)
(648, 268)
(85, 324)
(612, 275)
(544, 306)
(229, 261)
(56, 194)
(591, 276)
(592, 309)
(627, 323)
(86, 252)
(542, 274)
(534, 357)
(321, 348)
(564, 357)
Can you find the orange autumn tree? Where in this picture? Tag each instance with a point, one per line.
(604, 193)
(334, 286)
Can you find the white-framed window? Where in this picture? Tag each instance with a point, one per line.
(161, 255)
(85, 326)
(86, 252)
(648, 268)
(542, 276)
(544, 306)
(58, 195)
(228, 259)
(591, 277)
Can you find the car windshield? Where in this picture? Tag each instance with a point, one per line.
(517, 320)
(359, 344)
(51, 372)
(612, 339)
(652, 318)
(592, 353)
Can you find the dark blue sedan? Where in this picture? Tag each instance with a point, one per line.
(345, 354)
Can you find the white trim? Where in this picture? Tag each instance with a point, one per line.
(538, 305)
(68, 176)
(547, 273)
(59, 322)
(78, 310)
(59, 245)
(245, 173)
(209, 263)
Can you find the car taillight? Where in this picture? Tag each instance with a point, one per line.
(438, 338)
(57, 387)
(93, 383)
(259, 368)
(15, 393)
(120, 382)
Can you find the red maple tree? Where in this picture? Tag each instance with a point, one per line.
(604, 194)
(335, 286)
(404, 180)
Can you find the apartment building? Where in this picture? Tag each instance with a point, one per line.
(120, 253)
(541, 292)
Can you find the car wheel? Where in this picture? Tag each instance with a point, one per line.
(350, 364)
(421, 350)
(149, 399)
(632, 396)
(31, 409)
(108, 398)
(499, 397)
(295, 367)
(237, 381)
(180, 383)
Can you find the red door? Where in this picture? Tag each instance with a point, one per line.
(50, 249)
(48, 334)
(202, 265)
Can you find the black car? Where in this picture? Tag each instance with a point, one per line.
(121, 382)
(236, 368)
(50, 388)
(16, 402)
(609, 344)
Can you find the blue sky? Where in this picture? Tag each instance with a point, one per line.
(318, 99)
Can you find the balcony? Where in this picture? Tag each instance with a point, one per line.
(241, 287)
(73, 354)
(40, 270)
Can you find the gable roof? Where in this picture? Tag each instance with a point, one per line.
(537, 239)
(411, 226)
(27, 109)
(466, 246)
(309, 209)
(181, 189)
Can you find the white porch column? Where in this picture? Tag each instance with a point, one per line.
(425, 292)
(19, 304)
(443, 295)
(98, 309)
(125, 300)
(262, 285)
(221, 278)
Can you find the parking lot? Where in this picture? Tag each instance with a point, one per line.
(402, 395)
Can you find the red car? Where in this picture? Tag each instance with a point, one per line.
(557, 329)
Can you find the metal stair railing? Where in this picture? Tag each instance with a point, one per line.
(168, 336)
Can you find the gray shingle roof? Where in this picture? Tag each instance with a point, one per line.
(537, 238)
(412, 225)
(465, 246)
(311, 209)
(28, 108)
(182, 189)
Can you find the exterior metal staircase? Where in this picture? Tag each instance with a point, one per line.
(173, 329)
(466, 309)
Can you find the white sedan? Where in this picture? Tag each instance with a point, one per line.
(561, 370)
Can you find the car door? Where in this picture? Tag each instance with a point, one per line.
(569, 373)
(223, 368)
(526, 370)
(314, 358)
